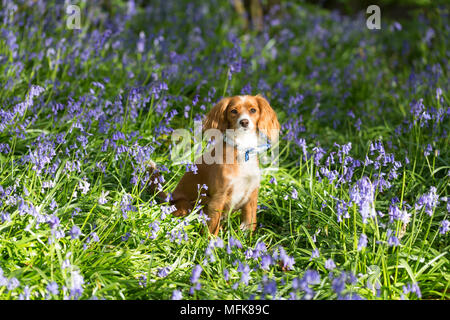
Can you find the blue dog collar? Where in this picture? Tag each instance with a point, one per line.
(248, 151)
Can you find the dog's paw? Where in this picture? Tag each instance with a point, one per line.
(247, 226)
(180, 213)
(152, 164)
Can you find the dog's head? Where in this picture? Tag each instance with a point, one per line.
(244, 113)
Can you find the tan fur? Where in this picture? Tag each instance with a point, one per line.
(220, 177)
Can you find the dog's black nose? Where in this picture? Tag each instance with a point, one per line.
(244, 123)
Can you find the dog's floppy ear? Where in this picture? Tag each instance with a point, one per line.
(268, 122)
(216, 118)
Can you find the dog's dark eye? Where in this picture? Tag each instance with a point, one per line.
(252, 110)
(234, 111)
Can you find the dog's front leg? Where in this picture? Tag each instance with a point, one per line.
(248, 214)
(215, 210)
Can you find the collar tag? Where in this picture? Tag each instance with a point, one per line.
(258, 149)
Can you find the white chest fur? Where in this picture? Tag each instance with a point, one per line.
(245, 182)
(248, 176)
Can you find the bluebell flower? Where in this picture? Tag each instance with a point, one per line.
(314, 254)
(438, 93)
(412, 288)
(260, 248)
(362, 242)
(232, 242)
(311, 277)
(394, 213)
(196, 271)
(350, 296)
(75, 232)
(338, 283)
(84, 186)
(266, 262)
(53, 204)
(286, 260)
(294, 194)
(245, 272)
(5, 216)
(102, 199)
(358, 124)
(126, 236)
(218, 243)
(302, 285)
(52, 288)
(417, 108)
(318, 154)
(25, 295)
(176, 295)
(329, 264)
(302, 144)
(342, 210)
(163, 272)
(140, 46)
(427, 150)
(362, 193)
(77, 281)
(297, 283)
(3, 279)
(393, 241)
(226, 274)
(154, 226)
(12, 284)
(143, 280)
(270, 287)
(75, 212)
(445, 227)
(428, 200)
(56, 234)
(126, 205)
(293, 295)
(248, 253)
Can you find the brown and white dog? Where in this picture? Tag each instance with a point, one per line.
(231, 185)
